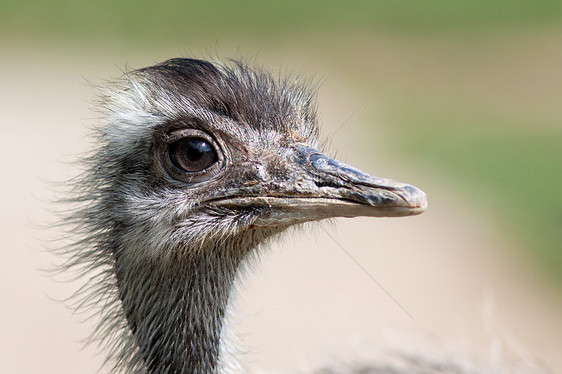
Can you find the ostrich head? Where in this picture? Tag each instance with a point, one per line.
(196, 165)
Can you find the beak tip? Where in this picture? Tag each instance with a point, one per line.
(416, 198)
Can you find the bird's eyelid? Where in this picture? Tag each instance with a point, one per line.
(182, 123)
(177, 134)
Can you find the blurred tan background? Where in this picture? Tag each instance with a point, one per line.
(462, 100)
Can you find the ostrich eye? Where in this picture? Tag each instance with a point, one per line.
(189, 155)
(192, 154)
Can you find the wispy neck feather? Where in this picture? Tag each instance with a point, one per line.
(175, 304)
(175, 312)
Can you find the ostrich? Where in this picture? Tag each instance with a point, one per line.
(197, 165)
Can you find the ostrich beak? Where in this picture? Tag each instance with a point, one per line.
(357, 193)
(322, 187)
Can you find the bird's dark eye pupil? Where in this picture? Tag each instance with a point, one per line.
(192, 154)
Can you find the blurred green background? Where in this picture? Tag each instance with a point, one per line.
(174, 21)
(479, 104)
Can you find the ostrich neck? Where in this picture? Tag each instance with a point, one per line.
(175, 308)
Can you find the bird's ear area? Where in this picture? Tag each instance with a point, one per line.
(321, 187)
